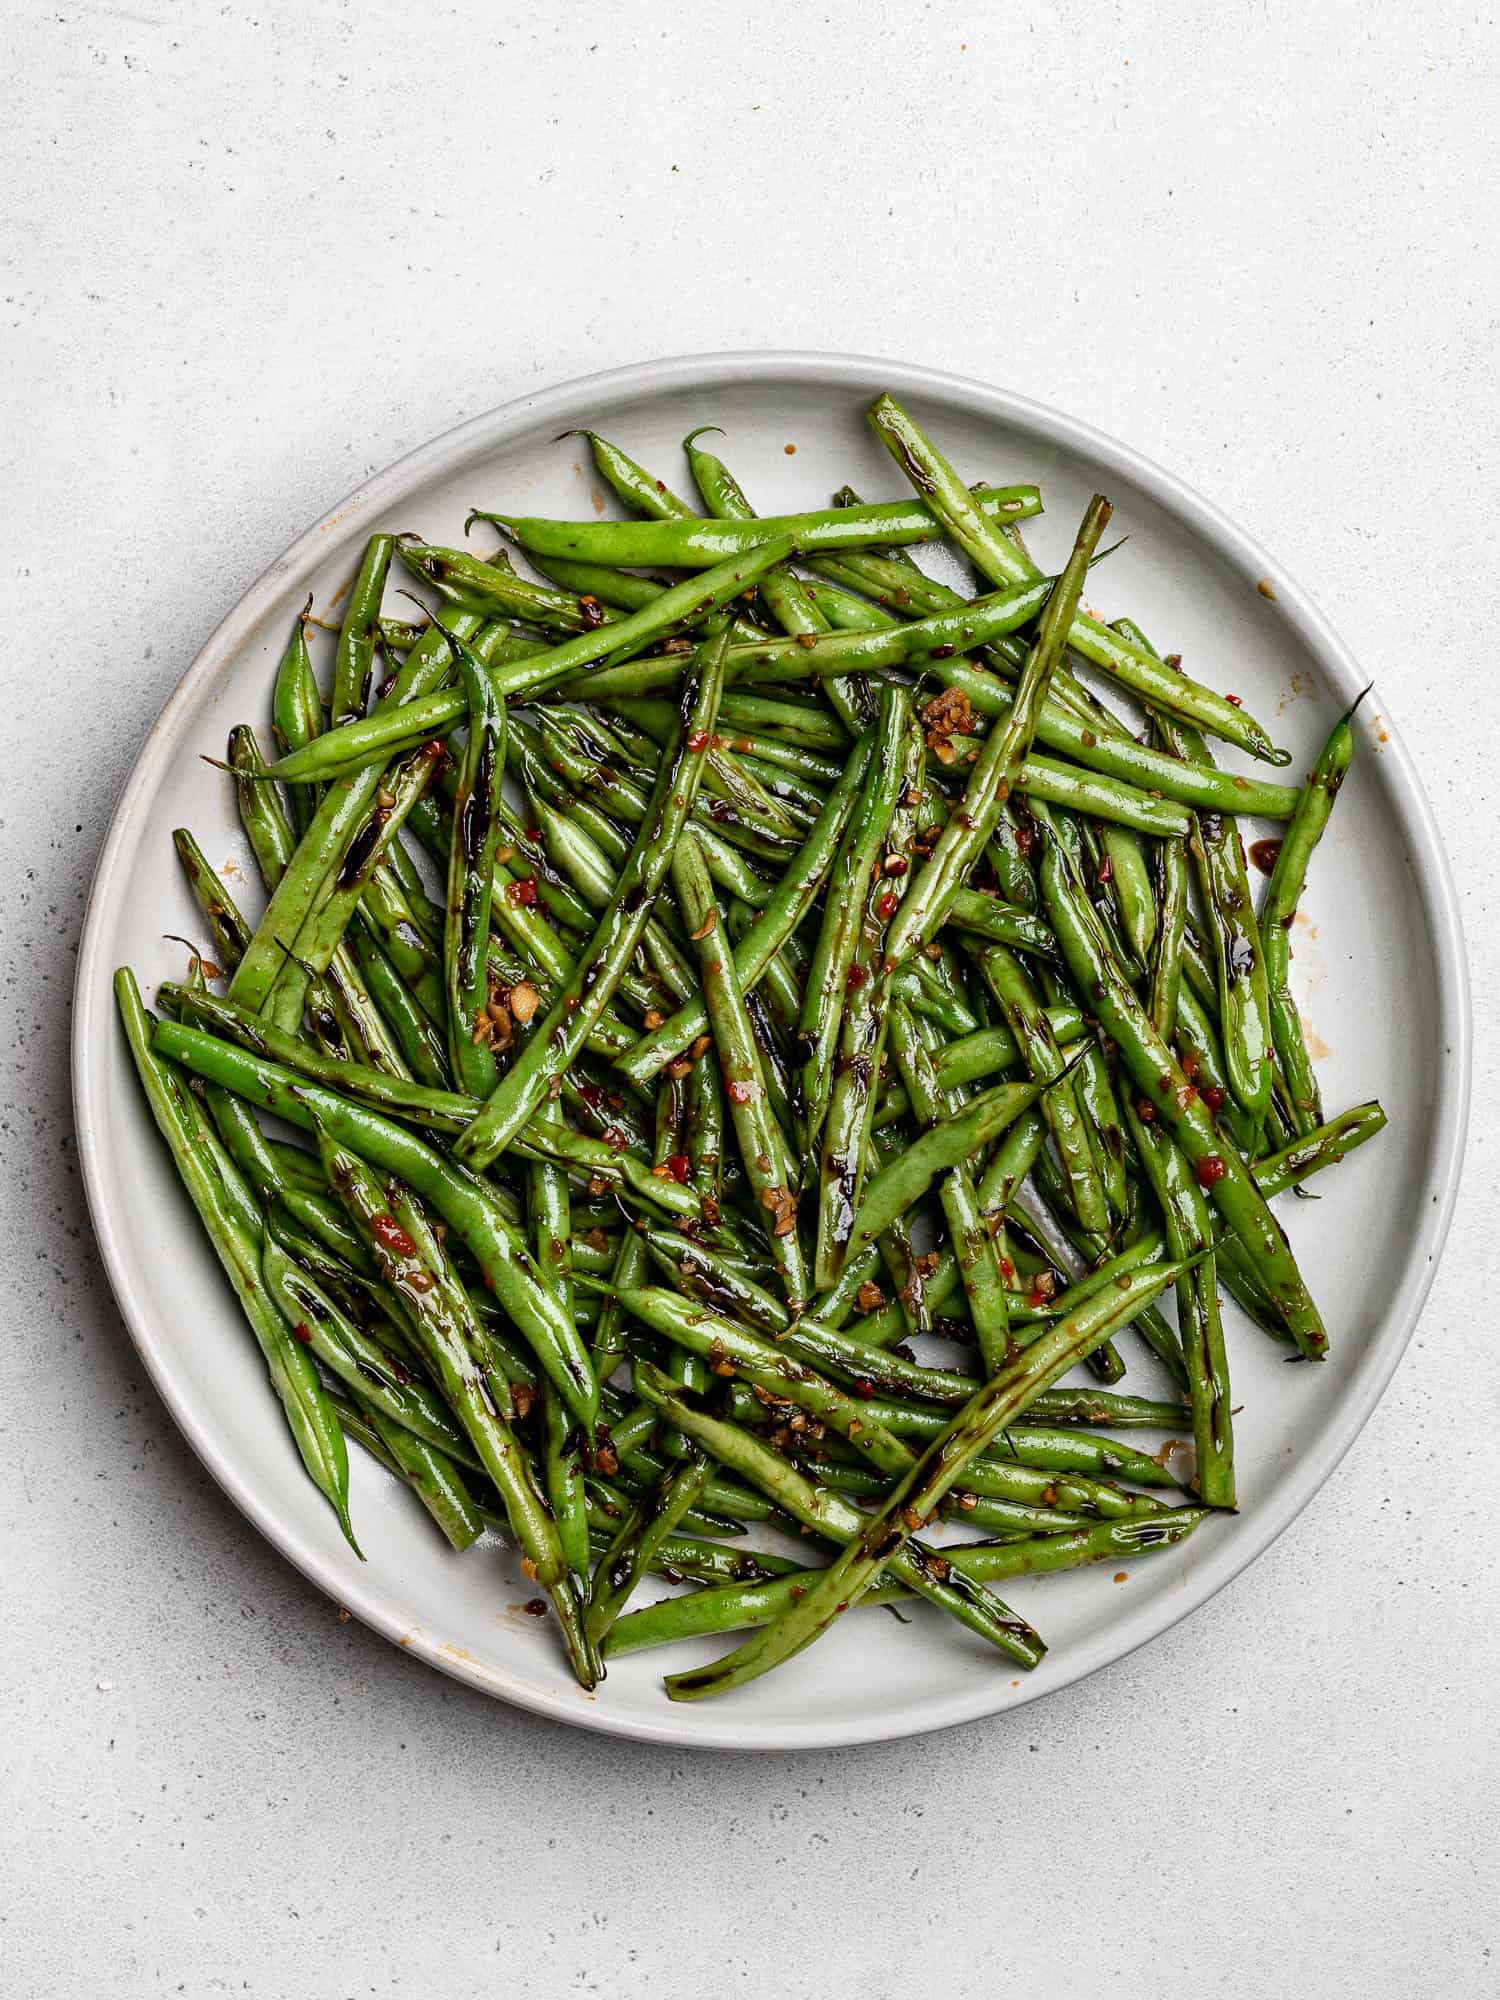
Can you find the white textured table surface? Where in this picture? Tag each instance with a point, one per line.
(253, 252)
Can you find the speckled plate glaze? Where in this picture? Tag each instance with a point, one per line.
(1379, 969)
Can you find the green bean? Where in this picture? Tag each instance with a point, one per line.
(563, 1445)
(431, 1475)
(1045, 1064)
(463, 1201)
(434, 1478)
(1002, 923)
(1002, 562)
(881, 1540)
(619, 588)
(1279, 911)
(994, 776)
(875, 890)
(296, 709)
(834, 655)
(1166, 961)
(860, 851)
(763, 1147)
(1075, 736)
(1160, 1079)
(1104, 1125)
(418, 1041)
(231, 934)
(1039, 1447)
(732, 1607)
(583, 999)
(1239, 963)
(822, 1510)
(631, 482)
(730, 868)
(310, 1418)
(927, 938)
(471, 865)
(424, 714)
(785, 596)
(690, 543)
(635, 1548)
(495, 590)
(973, 1244)
(339, 1007)
(1189, 1231)
(733, 1349)
(312, 874)
(357, 1361)
(354, 656)
(417, 1269)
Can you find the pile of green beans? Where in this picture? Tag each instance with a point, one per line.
(691, 983)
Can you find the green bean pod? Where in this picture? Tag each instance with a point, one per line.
(733, 1607)
(1160, 1078)
(826, 1513)
(994, 776)
(765, 1153)
(471, 867)
(561, 1036)
(1279, 912)
(690, 543)
(469, 1208)
(294, 1377)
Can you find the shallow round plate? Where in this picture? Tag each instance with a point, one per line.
(1379, 968)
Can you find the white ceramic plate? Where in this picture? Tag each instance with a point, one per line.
(1379, 967)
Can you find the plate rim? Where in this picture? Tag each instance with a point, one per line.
(694, 1727)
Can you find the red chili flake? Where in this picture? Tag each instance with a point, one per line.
(535, 1607)
(1213, 1097)
(863, 1388)
(1234, 700)
(1025, 840)
(737, 1092)
(698, 740)
(855, 979)
(1211, 1170)
(389, 1234)
(302, 1331)
(886, 908)
(522, 892)
(679, 1166)
(1106, 870)
(591, 1094)
(434, 749)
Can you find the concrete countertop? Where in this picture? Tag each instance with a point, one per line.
(253, 252)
